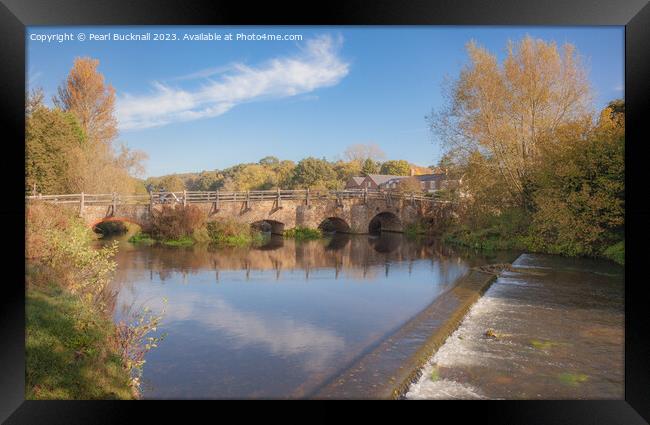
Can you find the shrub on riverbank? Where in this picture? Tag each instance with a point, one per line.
(616, 252)
(303, 233)
(233, 233)
(70, 304)
(175, 222)
(59, 243)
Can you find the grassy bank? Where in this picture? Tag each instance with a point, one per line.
(142, 238)
(146, 239)
(73, 348)
(503, 237)
(181, 241)
(68, 350)
(616, 252)
(303, 233)
(489, 239)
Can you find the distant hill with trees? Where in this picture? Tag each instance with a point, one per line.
(271, 172)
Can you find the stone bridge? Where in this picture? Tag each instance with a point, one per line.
(352, 211)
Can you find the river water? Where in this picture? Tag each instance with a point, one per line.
(284, 319)
(557, 328)
(279, 320)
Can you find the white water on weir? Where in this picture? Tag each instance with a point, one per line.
(556, 332)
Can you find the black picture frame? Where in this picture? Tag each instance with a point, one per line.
(15, 15)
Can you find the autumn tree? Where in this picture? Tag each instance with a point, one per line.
(409, 185)
(170, 183)
(346, 169)
(252, 177)
(284, 173)
(206, 180)
(361, 152)
(398, 167)
(507, 110)
(101, 165)
(269, 160)
(92, 102)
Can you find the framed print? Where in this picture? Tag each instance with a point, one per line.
(379, 202)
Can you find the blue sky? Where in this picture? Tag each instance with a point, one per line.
(205, 105)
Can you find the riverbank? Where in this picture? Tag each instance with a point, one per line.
(506, 237)
(73, 349)
(551, 328)
(387, 370)
(68, 350)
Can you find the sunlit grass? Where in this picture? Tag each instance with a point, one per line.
(303, 233)
(68, 354)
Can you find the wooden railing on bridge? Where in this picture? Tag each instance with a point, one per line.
(217, 197)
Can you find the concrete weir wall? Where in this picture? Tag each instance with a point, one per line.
(387, 371)
(359, 215)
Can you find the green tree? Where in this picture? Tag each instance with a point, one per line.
(315, 173)
(396, 167)
(53, 138)
(369, 167)
(269, 160)
(580, 196)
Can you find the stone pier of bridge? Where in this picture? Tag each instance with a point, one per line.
(356, 215)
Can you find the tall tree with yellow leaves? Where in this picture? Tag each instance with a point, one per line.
(90, 100)
(98, 165)
(507, 110)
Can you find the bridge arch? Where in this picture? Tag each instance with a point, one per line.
(385, 222)
(273, 226)
(334, 225)
(111, 219)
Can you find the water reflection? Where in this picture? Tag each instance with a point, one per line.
(276, 320)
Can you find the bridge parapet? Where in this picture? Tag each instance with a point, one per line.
(188, 197)
(281, 208)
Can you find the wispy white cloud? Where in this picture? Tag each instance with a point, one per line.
(204, 73)
(619, 87)
(316, 65)
(32, 77)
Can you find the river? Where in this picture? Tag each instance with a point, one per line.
(284, 319)
(279, 320)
